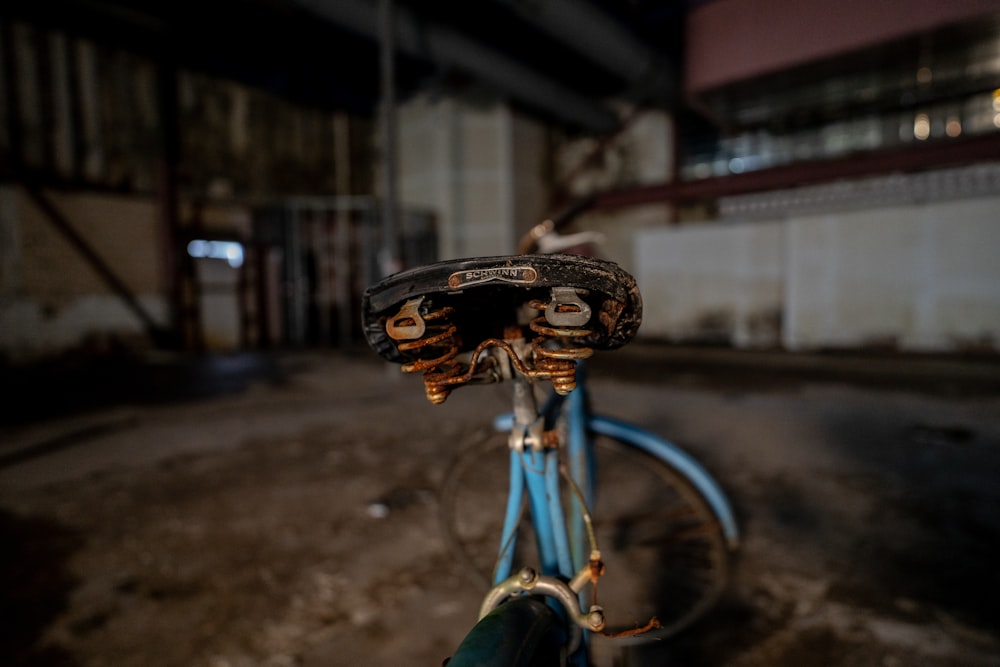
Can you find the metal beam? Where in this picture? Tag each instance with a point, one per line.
(448, 48)
(594, 35)
(952, 152)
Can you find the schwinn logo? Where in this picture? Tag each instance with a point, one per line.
(520, 275)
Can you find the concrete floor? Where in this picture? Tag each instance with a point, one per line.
(241, 528)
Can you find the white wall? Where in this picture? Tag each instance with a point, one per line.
(920, 277)
(712, 282)
(480, 168)
(917, 277)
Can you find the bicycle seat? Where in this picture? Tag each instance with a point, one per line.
(425, 317)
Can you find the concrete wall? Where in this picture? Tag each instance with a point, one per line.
(50, 298)
(709, 282)
(480, 168)
(921, 277)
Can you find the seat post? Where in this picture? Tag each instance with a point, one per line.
(528, 428)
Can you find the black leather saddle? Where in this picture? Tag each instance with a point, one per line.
(591, 300)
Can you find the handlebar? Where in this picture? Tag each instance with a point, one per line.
(529, 243)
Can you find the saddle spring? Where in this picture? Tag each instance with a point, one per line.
(434, 339)
(557, 363)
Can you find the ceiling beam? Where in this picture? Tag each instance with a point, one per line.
(593, 35)
(448, 48)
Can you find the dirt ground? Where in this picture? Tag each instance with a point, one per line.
(294, 522)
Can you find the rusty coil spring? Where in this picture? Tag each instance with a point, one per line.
(559, 364)
(437, 346)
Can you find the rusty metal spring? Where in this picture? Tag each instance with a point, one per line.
(559, 364)
(438, 345)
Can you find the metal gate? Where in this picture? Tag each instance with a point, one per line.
(314, 257)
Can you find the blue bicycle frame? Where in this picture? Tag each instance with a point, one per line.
(534, 473)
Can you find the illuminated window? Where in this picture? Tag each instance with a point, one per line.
(230, 251)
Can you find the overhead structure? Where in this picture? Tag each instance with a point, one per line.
(603, 41)
(445, 46)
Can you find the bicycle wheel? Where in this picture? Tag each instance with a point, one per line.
(472, 507)
(663, 546)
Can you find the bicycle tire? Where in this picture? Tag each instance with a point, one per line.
(663, 546)
(522, 632)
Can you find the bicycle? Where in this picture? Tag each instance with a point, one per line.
(522, 319)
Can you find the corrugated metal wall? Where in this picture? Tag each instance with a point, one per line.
(82, 114)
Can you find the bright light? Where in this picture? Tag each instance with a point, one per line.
(954, 127)
(230, 251)
(922, 126)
